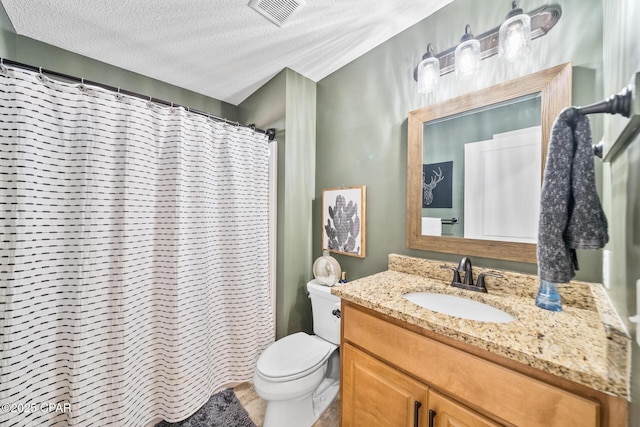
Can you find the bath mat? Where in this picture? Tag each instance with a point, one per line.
(223, 409)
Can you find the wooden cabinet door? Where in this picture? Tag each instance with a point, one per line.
(374, 394)
(449, 413)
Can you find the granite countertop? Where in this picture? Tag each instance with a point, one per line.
(585, 343)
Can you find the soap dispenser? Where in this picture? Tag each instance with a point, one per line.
(548, 296)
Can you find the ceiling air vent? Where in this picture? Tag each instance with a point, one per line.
(277, 11)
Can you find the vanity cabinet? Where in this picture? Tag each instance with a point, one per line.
(387, 366)
(380, 395)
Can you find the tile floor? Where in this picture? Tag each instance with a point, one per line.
(255, 406)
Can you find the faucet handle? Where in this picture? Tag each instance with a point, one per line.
(456, 273)
(481, 277)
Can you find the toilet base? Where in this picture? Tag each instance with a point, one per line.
(302, 412)
(297, 412)
(324, 396)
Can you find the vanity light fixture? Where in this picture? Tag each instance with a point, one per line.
(515, 35)
(541, 21)
(428, 71)
(467, 55)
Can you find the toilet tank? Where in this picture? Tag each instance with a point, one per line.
(326, 325)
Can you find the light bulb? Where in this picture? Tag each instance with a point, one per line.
(428, 74)
(467, 58)
(515, 38)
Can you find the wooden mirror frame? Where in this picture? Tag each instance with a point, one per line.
(554, 86)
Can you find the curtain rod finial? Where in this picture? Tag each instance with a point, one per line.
(271, 133)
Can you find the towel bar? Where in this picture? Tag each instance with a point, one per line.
(624, 103)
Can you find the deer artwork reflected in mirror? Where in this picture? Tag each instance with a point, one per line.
(436, 185)
(429, 187)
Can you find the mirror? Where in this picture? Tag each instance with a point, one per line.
(437, 149)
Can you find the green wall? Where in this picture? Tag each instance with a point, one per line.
(7, 36)
(300, 166)
(363, 107)
(622, 177)
(288, 103)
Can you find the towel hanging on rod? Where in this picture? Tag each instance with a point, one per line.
(619, 103)
(571, 216)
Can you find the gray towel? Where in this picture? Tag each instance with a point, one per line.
(571, 216)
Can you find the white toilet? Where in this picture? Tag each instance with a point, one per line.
(299, 375)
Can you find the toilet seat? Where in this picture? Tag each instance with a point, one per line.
(293, 357)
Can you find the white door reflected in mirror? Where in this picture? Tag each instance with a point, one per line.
(502, 186)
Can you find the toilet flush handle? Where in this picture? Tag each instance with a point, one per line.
(336, 310)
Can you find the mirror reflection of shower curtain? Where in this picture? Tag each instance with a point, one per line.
(134, 275)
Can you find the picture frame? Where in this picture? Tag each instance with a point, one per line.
(343, 220)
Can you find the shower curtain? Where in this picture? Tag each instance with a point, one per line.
(134, 262)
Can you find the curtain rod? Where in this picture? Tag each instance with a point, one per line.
(271, 132)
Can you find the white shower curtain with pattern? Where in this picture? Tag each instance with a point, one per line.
(134, 262)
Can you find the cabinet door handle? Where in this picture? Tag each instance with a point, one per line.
(416, 408)
(432, 417)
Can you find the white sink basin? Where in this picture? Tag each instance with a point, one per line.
(459, 307)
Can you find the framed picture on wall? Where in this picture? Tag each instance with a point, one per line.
(343, 220)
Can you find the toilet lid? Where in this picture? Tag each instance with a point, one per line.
(293, 356)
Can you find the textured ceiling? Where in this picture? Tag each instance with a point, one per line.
(220, 48)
